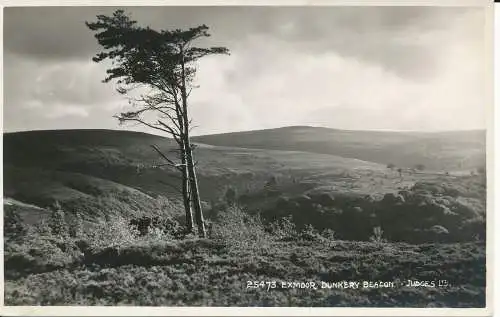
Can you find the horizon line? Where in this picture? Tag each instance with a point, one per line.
(253, 130)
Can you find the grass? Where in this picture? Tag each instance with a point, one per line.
(74, 164)
(111, 265)
(437, 151)
(320, 218)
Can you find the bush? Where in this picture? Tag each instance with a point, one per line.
(48, 246)
(377, 236)
(114, 233)
(271, 182)
(239, 231)
(309, 233)
(39, 251)
(14, 228)
(57, 221)
(328, 234)
(230, 196)
(420, 167)
(283, 229)
(76, 229)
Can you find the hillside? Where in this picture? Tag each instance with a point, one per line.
(457, 150)
(294, 215)
(91, 170)
(73, 166)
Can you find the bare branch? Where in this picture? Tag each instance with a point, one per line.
(192, 127)
(124, 119)
(162, 165)
(176, 134)
(172, 163)
(174, 121)
(141, 167)
(151, 103)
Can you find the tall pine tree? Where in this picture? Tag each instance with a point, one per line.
(164, 62)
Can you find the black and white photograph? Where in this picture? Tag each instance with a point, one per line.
(305, 156)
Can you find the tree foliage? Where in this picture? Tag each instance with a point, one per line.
(162, 64)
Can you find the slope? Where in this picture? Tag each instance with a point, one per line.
(75, 166)
(456, 150)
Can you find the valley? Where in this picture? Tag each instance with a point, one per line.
(280, 204)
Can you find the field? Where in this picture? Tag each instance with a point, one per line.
(281, 207)
(455, 150)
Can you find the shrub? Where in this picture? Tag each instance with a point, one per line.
(39, 250)
(14, 228)
(310, 233)
(157, 234)
(114, 233)
(328, 234)
(76, 229)
(172, 228)
(44, 246)
(230, 195)
(271, 182)
(420, 167)
(377, 236)
(284, 229)
(239, 231)
(57, 221)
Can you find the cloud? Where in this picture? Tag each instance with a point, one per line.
(270, 83)
(404, 40)
(69, 82)
(62, 35)
(48, 33)
(345, 67)
(388, 36)
(55, 93)
(40, 85)
(60, 111)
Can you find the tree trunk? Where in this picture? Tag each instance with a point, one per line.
(195, 195)
(193, 181)
(186, 195)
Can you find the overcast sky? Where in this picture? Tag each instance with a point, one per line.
(362, 68)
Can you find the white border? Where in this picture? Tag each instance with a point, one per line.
(235, 311)
(123, 3)
(280, 311)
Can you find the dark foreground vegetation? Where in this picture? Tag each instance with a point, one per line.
(73, 259)
(271, 216)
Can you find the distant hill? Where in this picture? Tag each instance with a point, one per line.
(456, 150)
(99, 170)
(76, 166)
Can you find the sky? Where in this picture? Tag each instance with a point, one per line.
(358, 68)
